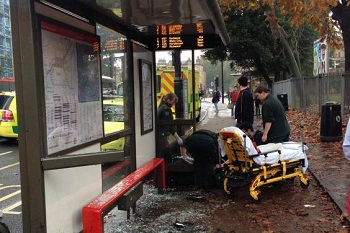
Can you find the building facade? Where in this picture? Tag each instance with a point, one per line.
(6, 70)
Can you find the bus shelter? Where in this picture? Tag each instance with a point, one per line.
(87, 92)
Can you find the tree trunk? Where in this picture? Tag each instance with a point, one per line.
(346, 39)
(280, 33)
(341, 13)
(294, 68)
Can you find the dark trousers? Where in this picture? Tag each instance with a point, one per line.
(163, 147)
(204, 177)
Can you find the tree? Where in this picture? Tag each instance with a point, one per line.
(252, 46)
(316, 12)
(254, 49)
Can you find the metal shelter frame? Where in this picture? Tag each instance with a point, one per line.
(30, 91)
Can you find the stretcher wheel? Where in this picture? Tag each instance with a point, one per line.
(259, 199)
(305, 186)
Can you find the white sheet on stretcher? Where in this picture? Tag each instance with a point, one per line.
(289, 150)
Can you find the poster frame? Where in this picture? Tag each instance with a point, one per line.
(146, 90)
(77, 33)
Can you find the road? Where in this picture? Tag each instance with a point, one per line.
(10, 189)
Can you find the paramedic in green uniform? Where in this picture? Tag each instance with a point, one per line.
(275, 124)
(164, 131)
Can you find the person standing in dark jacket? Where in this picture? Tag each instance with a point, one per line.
(215, 100)
(164, 131)
(244, 110)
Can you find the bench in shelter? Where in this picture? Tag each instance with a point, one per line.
(93, 212)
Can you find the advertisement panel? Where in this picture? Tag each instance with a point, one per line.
(321, 58)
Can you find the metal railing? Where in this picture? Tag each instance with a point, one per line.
(310, 93)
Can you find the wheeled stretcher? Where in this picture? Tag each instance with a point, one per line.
(283, 161)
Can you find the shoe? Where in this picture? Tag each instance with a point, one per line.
(188, 159)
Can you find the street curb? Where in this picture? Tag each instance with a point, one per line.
(330, 195)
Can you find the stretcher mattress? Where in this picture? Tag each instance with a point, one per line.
(289, 151)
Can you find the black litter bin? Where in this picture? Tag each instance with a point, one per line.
(283, 97)
(331, 122)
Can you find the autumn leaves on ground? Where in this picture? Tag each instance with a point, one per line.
(311, 131)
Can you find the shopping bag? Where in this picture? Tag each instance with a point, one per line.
(229, 105)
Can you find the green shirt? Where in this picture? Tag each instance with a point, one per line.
(273, 112)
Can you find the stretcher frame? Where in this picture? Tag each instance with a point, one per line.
(240, 164)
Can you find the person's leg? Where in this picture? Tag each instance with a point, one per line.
(216, 107)
(183, 151)
(164, 148)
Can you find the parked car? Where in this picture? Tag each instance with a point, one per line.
(113, 117)
(113, 120)
(8, 115)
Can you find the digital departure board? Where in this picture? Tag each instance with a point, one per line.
(198, 35)
(114, 45)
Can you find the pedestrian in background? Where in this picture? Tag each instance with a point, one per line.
(229, 95)
(275, 124)
(244, 110)
(234, 97)
(215, 100)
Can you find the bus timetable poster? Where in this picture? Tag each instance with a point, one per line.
(72, 87)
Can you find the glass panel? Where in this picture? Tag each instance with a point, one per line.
(178, 79)
(113, 172)
(115, 103)
(113, 62)
(175, 74)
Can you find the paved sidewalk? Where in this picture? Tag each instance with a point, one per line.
(331, 170)
(158, 213)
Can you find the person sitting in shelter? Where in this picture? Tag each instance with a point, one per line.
(180, 150)
(254, 135)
